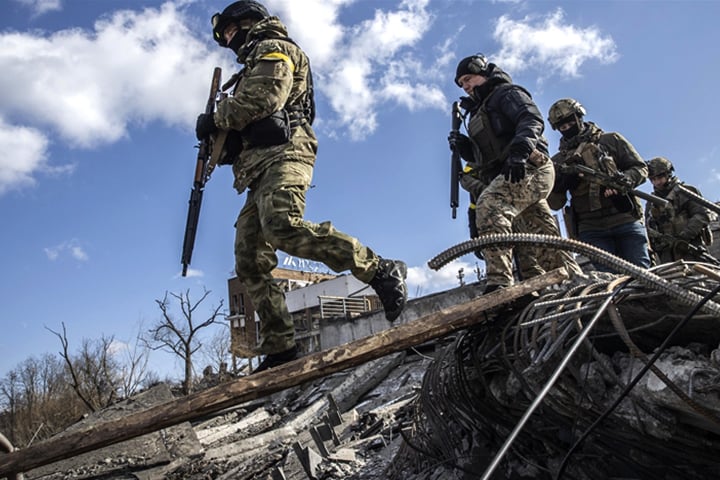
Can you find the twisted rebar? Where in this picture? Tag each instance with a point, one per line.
(596, 255)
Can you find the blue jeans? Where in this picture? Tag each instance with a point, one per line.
(627, 241)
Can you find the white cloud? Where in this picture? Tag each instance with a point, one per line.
(87, 87)
(191, 273)
(39, 7)
(136, 66)
(550, 46)
(70, 248)
(360, 67)
(424, 281)
(25, 154)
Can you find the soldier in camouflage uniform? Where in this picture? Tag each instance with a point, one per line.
(530, 260)
(601, 217)
(678, 224)
(272, 147)
(510, 162)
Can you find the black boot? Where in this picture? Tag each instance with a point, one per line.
(491, 288)
(389, 284)
(275, 359)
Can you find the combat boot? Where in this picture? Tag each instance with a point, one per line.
(276, 359)
(389, 284)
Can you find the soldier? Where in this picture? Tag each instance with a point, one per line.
(681, 225)
(512, 174)
(601, 217)
(269, 116)
(530, 260)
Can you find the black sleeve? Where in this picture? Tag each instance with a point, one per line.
(517, 105)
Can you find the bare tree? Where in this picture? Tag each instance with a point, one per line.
(180, 337)
(36, 400)
(134, 366)
(216, 351)
(94, 373)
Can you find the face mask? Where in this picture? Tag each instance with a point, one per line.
(571, 132)
(239, 39)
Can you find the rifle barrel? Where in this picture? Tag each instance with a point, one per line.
(455, 163)
(699, 199)
(196, 194)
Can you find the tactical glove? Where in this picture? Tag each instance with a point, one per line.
(514, 169)
(461, 143)
(205, 126)
(624, 181)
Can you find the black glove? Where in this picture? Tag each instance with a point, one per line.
(461, 143)
(514, 169)
(205, 126)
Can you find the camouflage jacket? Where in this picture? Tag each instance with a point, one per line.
(682, 218)
(591, 209)
(275, 77)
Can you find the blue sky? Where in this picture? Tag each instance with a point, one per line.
(98, 101)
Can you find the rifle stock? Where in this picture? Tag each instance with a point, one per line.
(201, 174)
(455, 163)
(610, 182)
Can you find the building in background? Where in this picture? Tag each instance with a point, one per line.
(311, 297)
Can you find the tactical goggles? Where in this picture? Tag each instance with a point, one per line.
(564, 120)
(219, 23)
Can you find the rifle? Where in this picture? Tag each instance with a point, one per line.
(682, 247)
(616, 182)
(202, 174)
(455, 163)
(699, 199)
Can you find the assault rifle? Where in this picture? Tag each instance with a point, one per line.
(681, 247)
(455, 162)
(617, 182)
(694, 197)
(202, 173)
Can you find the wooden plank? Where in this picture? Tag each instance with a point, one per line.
(310, 367)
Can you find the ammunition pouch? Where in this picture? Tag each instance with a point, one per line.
(233, 146)
(269, 131)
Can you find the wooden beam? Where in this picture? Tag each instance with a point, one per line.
(310, 367)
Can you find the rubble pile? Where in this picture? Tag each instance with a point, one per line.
(639, 398)
(594, 423)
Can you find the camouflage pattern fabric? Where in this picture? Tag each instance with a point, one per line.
(500, 204)
(276, 179)
(532, 261)
(276, 75)
(272, 219)
(682, 220)
(537, 218)
(591, 208)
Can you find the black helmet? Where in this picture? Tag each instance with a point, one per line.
(233, 13)
(564, 109)
(660, 166)
(476, 65)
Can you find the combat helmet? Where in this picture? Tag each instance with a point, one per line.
(660, 166)
(234, 13)
(565, 110)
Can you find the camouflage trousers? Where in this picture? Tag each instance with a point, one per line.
(535, 260)
(504, 207)
(272, 219)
